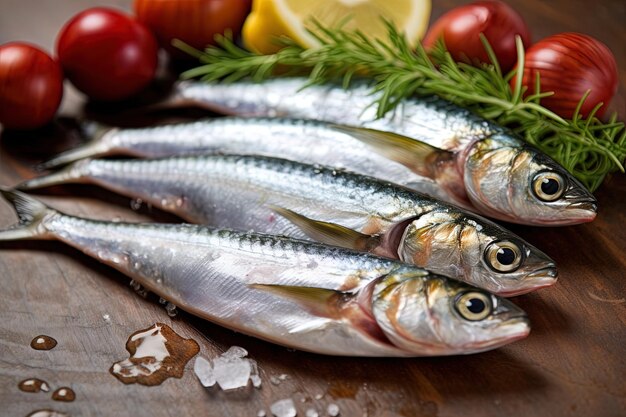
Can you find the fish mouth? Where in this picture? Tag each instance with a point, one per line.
(574, 213)
(541, 278)
(517, 328)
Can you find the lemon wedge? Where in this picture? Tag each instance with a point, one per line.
(270, 19)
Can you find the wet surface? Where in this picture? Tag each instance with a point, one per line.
(43, 342)
(156, 354)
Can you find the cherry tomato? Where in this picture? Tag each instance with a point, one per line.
(203, 19)
(569, 64)
(106, 54)
(461, 27)
(31, 86)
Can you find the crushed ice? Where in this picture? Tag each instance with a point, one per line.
(230, 370)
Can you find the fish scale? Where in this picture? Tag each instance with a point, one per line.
(278, 196)
(480, 158)
(298, 294)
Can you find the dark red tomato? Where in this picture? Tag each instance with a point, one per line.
(461, 27)
(569, 64)
(195, 22)
(31, 86)
(106, 54)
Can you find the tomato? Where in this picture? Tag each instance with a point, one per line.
(203, 19)
(106, 54)
(31, 86)
(569, 64)
(461, 27)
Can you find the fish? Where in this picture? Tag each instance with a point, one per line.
(424, 168)
(338, 207)
(295, 293)
(502, 176)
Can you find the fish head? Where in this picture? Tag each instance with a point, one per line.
(520, 184)
(475, 250)
(443, 316)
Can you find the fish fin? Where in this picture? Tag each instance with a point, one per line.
(329, 233)
(31, 214)
(97, 146)
(321, 301)
(73, 173)
(416, 155)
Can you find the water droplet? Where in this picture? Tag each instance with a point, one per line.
(142, 292)
(333, 410)
(274, 380)
(319, 396)
(261, 413)
(180, 202)
(43, 342)
(116, 219)
(136, 265)
(136, 204)
(33, 385)
(171, 310)
(47, 413)
(153, 361)
(282, 377)
(284, 408)
(107, 318)
(64, 394)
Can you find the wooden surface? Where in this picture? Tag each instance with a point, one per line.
(571, 365)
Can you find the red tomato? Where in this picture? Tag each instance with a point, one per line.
(569, 64)
(31, 86)
(203, 19)
(106, 54)
(461, 26)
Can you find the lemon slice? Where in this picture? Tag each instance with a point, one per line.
(274, 18)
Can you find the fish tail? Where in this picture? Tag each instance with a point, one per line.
(97, 146)
(73, 173)
(31, 213)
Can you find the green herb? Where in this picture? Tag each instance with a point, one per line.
(588, 148)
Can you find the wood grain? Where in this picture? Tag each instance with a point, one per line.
(571, 365)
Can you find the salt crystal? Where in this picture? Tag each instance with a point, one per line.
(284, 408)
(231, 373)
(254, 374)
(311, 412)
(319, 396)
(333, 410)
(204, 372)
(261, 413)
(235, 352)
(107, 318)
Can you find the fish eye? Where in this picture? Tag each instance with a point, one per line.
(503, 256)
(473, 305)
(548, 186)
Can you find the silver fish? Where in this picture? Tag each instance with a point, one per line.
(364, 151)
(295, 293)
(329, 205)
(503, 177)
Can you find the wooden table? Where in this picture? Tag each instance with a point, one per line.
(571, 365)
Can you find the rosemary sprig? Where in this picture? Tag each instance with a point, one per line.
(587, 147)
